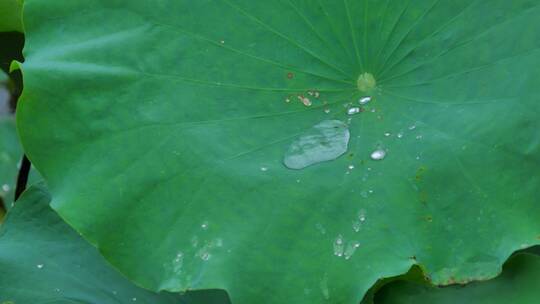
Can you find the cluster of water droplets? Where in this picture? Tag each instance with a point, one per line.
(343, 248)
(306, 98)
(204, 248)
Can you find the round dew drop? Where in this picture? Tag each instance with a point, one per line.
(378, 154)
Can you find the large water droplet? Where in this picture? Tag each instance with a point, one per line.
(364, 100)
(378, 154)
(353, 110)
(39, 266)
(5, 187)
(325, 141)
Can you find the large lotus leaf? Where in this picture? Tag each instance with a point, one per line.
(518, 284)
(11, 15)
(163, 130)
(43, 260)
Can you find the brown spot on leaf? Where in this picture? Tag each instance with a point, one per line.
(290, 75)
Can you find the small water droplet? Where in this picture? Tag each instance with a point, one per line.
(324, 287)
(114, 292)
(264, 169)
(338, 246)
(133, 299)
(419, 136)
(373, 111)
(40, 266)
(399, 135)
(287, 99)
(378, 154)
(304, 100)
(356, 225)
(351, 167)
(326, 111)
(195, 241)
(321, 228)
(412, 127)
(204, 225)
(222, 41)
(353, 110)
(57, 289)
(313, 93)
(205, 256)
(362, 213)
(351, 248)
(364, 100)
(387, 134)
(5, 187)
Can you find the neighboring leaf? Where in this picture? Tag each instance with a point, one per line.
(518, 284)
(11, 15)
(43, 260)
(162, 128)
(10, 155)
(3, 77)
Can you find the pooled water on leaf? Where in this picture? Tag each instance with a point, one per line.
(325, 141)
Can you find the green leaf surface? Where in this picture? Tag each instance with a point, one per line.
(518, 284)
(162, 130)
(11, 15)
(42, 260)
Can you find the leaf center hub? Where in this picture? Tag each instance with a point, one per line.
(366, 82)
